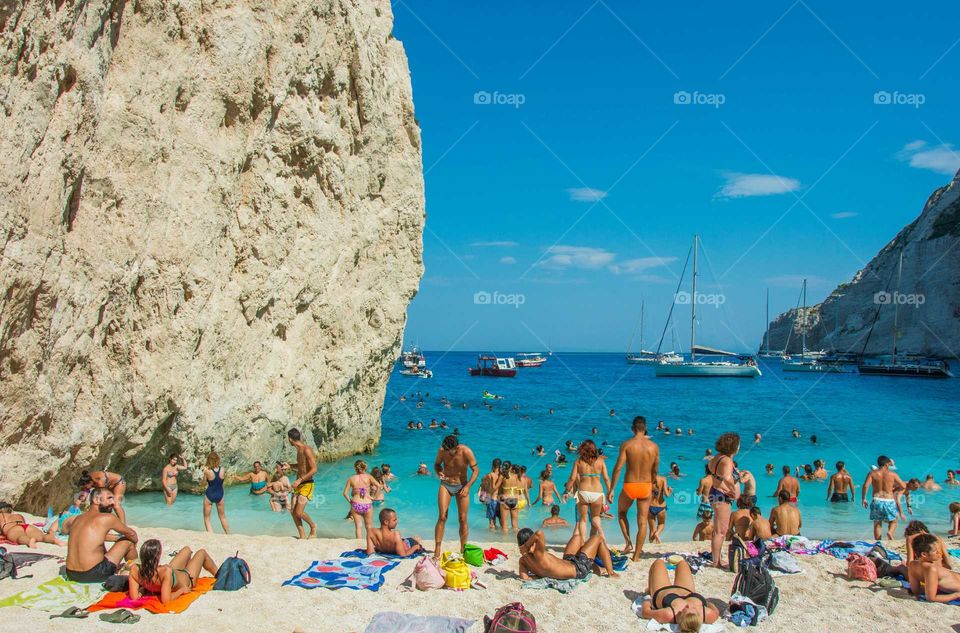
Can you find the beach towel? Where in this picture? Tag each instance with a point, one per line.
(563, 586)
(653, 625)
(906, 585)
(55, 596)
(618, 561)
(362, 553)
(393, 622)
(344, 573)
(25, 559)
(493, 556)
(122, 600)
(696, 561)
(796, 545)
(842, 549)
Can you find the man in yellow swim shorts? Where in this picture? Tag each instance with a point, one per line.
(306, 467)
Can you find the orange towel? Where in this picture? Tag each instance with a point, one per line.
(121, 600)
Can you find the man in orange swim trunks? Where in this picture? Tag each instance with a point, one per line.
(642, 459)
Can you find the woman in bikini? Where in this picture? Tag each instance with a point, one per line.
(168, 477)
(511, 490)
(359, 492)
(279, 489)
(677, 603)
(547, 490)
(213, 495)
(169, 582)
(588, 475)
(657, 516)
(115, 483)
(15, 528)
(724, 490)
(379, 497)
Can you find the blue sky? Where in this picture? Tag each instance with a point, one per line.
(572, 149)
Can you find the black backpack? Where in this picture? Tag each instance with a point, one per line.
(737, 551)
(233, 574)
(754, 581)
(8, 569)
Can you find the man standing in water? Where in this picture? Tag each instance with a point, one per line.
(642, 459)
(788, 483)
(885, 501)
(840, 487)
(453, 460)
(306, 467)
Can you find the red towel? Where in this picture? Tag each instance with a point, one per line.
(492, 554)
(121, 600)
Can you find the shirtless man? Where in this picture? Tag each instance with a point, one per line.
(885, 498)
(306, 467)
(386, 540)
(749, 483)
(554, 520)
(258, 479)
(740, 519)
(840, 487)
(451, 464)
(927, 575)
(785, 518)
(577, 562)
(788, 483)
(759, 527)
(114, 482)
(88, 559)
(931, 485)
(168, 477)
(15, 528)
(642, 459)
(489, 490)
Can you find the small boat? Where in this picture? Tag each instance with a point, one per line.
(901, 365)
(413, 358)
(490, 365)
(810, 362)
(745, 368)
(417, 372)
(643, 356)
(531, 359)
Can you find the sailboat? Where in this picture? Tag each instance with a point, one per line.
(643, 356)
(705, 369)
(766, 353)
(902, 365)
(806, 362)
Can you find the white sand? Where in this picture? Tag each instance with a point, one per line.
(820, 599)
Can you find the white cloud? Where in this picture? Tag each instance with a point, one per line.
(508, 260)
(942, 159)
(743, 185)
(495, 244)
(577, 257)
(843, 215)
(640, 265)
(586, 194)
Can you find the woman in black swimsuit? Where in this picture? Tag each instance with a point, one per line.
(724, 490)
(677, 603)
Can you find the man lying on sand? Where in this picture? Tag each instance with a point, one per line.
(928, 577)
(577, 562)
(387, 540)
(15, 528)
(88, 559)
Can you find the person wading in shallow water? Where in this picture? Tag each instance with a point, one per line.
(453, 460)
(306, 467)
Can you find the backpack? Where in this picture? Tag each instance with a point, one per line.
(859, 567)
(233, 574)
(510, 618)
(473, 555)
(456, 571)
(8, 569)
(881, 559)
(739, 550)
(753, 581)
(426, 575)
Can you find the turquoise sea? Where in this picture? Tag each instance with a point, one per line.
(855, 419)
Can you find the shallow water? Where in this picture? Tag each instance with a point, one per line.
(855, 419)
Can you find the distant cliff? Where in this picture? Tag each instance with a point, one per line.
(211, 221)
(929, 311)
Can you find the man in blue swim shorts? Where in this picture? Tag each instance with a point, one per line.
(885, 499)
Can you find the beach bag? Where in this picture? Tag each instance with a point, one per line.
(233, 574)
(116, 583)
(456, 571)
(510, 618)
(859, 567)
(426, 575)
(473, 555)
(753, 581)
(785, 562)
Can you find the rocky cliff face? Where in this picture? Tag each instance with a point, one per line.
(211, 218)
(929, 294)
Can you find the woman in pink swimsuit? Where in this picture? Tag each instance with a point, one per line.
(359, 492)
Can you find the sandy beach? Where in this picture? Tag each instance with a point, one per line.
(819, 599)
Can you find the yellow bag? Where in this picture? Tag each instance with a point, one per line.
(458, 574)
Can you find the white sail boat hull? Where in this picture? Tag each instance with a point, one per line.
(707, 370)
(812, 366)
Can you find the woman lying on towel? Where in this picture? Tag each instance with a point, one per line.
(167, 581)
(677, 603)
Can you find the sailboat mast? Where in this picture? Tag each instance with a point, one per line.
(896, 308)
(803, 346)
(641, 328)
(766, 335)
(693, 303)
